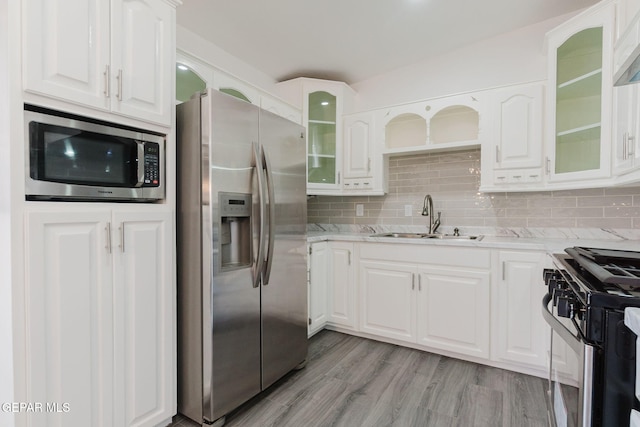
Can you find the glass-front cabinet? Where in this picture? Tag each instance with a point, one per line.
(321, 139)
(580, 78)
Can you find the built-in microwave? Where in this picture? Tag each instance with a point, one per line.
(75, 158)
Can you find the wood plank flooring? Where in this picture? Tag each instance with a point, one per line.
(353, 382)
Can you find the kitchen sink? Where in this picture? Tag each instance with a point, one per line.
(428, 236)
(402, 235)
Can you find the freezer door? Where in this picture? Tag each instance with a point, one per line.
(284, 285)
(231, 312)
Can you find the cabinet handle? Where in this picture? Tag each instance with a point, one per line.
(517, 176)
(419, 282)
(119, 93)
(630, 149)
(625, 146)
(107, 229)
(107, 81)
(497, 154)
(413, 281)
(369, 165)
(504, 274)
(338, 177)
(121, 228)
(348, 257)
(548, 166)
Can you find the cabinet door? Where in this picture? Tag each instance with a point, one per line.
(66, 50)
(627, 123)
(388, 299)
(69, 319)
(342, 296)
(144, 292)
(142, 60)
(518, 127)
(318, 280)
(580, 87)
(453, 310)
(358, 143)
(520, 329)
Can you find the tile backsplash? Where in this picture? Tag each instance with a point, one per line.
(453, 180)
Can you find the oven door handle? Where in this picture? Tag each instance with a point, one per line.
(567, 336)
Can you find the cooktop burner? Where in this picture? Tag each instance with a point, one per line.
(614, 267)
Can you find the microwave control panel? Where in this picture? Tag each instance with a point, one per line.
(151, 164)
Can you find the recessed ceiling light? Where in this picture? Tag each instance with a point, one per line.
(183, 67)
(324, 103)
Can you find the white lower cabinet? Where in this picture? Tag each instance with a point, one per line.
(100, 310)
(454, 310)
(521, 334)
(441, 305)
(341, 289)
(318, 283)
(388, 300)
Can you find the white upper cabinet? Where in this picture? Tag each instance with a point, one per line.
(448, 123)
(115, 56)
(512, 157)
(626, 158)
(364, 168)
(579, 97)
(323, 104)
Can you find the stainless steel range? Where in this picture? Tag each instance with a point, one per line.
(588, 291)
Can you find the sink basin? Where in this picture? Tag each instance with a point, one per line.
(453, 237)
(402, 235)
(427, 236)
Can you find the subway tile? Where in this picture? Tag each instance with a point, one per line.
(616, 191)
(604, 222)
(551, 222)
(555, 202)
(624, 200)
(577, 212)
(622, 212)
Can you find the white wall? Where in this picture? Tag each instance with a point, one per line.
(515, 57)
(210, 53)
(6, 324)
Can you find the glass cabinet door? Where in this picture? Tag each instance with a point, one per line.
(321, 138)
(579, 102)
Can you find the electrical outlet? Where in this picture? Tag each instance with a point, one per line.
(359, 210)
(408, 210)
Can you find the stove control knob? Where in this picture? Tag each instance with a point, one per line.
(566, 306)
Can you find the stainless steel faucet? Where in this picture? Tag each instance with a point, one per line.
(427, 210)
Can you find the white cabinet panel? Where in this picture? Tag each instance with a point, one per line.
(142, 58)
(318, 282)
(342, 288)
(388, 300)
(66, 49)
(521, 331)
(113, 56)
(100, 312)
(144, 331)
(69, 306)
(453, 310)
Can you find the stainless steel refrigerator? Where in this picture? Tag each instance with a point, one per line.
(242, 287)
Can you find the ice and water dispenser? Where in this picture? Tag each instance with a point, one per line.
(235, 230)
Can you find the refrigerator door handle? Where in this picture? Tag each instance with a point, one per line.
(258, 267)
(272, 216)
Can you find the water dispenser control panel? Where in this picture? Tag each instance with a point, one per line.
(235, 230)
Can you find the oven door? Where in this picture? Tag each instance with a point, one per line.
(569, 406)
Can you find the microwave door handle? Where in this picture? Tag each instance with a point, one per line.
(140, 164)
(272, 215)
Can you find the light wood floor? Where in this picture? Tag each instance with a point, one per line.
(353, 382)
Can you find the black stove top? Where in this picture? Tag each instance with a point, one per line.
(602, 277)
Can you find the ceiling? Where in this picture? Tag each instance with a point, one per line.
(353, 40)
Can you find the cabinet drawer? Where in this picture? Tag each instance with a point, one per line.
(471, 257)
